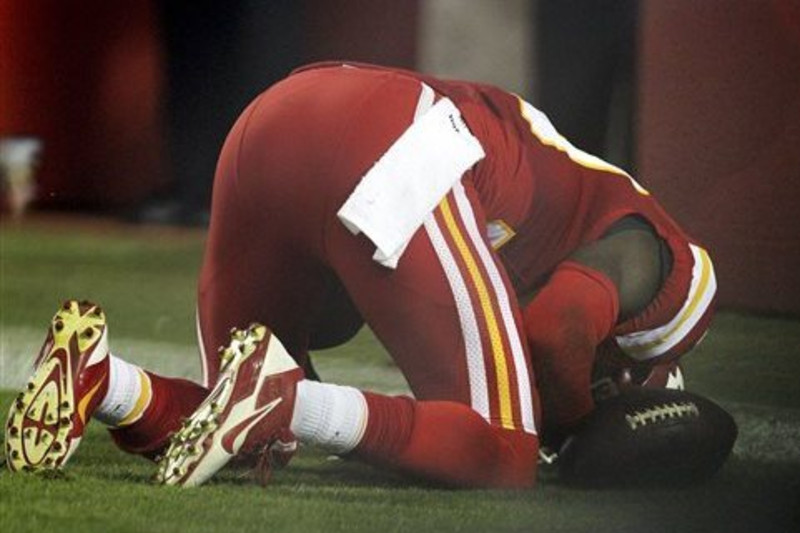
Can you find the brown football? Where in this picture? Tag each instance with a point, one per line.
(649, 437)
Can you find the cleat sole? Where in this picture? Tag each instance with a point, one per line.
(40, 421)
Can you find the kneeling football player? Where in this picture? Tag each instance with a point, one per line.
(429, 210)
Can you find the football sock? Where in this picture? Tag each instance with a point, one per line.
(564, 324)
(129, 394)
(330, 416)
(446, 442)
(173, 399)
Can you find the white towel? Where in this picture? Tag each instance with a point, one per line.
(406, 184)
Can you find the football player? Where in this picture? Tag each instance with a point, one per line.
(495, 261)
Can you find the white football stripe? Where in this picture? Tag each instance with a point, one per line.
(476, 370)
(499, 290)
(202, 350)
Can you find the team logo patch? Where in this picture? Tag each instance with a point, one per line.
(498, 233)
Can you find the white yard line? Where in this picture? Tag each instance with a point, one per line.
(19, 346)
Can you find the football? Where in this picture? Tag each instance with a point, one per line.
(649, 437)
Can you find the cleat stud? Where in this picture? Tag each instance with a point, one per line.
(15, 454)
(20, 405)
(65, 405)
(57, 447)
(30, 386)
(59, 325)
(13, 431)
(28, 433)
(65, 421)
(67, 306)
(50, 418)
(87, 333)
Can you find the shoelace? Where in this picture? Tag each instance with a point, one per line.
(275, 456)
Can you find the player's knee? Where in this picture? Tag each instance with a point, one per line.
(519, 462)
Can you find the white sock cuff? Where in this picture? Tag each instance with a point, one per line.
(124, 394)
(331, 416)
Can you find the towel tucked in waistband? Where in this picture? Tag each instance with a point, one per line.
(406, 184)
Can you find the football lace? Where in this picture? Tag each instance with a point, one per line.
(661, 412)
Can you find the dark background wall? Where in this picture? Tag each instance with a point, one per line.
(719, 137)
(133, 97)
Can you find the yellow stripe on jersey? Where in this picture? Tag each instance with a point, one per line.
(506, 416)
(543, 129)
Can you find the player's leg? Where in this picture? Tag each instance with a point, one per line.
(257, 268)
(447, 317)
(248, 275)
(451, 324)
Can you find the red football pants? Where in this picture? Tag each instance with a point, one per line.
(447, 314)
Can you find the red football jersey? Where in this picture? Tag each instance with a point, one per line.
(543, 197)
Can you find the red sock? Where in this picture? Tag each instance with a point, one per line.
(446, 442)
(173, 400)
(564, 324)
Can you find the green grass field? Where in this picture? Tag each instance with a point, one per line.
(145, 279)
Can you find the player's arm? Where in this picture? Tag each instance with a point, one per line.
(585, 297)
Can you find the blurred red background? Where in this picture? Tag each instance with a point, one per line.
(719, 138)
(718, 115)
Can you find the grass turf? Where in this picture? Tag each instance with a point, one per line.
(145, 280)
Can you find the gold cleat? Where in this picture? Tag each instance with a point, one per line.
(46, 422)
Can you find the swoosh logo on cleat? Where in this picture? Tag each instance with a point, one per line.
(84, 403)
(234, 438)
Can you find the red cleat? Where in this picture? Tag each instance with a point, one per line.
(247, 412)
(48, 418)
